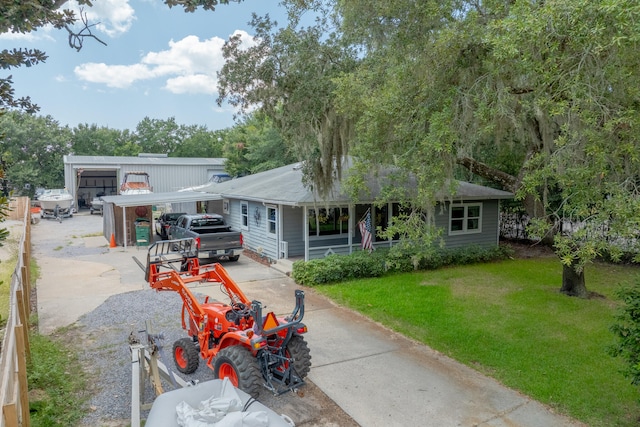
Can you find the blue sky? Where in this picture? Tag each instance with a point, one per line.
(158, 63)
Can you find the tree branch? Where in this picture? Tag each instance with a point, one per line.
(482, 169)
(76, 39)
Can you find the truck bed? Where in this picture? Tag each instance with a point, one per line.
(215, 238)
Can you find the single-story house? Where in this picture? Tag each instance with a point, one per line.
(277, 213)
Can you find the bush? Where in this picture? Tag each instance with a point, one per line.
(337, 268)
(620, 257)
(627, 331)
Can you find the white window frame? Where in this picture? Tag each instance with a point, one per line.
(343, 231)
(244, 217)
(273, 221)
(465, 219)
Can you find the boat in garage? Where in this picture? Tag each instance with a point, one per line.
(135, 182)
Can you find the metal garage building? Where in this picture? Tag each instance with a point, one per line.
(88, 176)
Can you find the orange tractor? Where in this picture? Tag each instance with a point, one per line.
(236, 340)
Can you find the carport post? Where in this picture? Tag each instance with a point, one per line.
(124, 226)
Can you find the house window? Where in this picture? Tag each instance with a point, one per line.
(328, 222)
(244, 215)
(271, 221)
(465, 219)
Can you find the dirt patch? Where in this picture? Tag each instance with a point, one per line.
(526, 250)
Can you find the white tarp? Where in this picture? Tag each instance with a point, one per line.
(164, 412)
(223, 410)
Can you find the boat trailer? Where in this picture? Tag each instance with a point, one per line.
(56, 213)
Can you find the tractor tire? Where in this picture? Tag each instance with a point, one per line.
(241, 367)
(299, 351)
(186, 356)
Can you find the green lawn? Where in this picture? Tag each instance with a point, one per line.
(6, 271)
(508, 320)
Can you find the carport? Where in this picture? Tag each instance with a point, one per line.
(121, 212)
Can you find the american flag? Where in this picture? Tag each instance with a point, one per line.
(365, 230)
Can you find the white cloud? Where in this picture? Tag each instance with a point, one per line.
(195, 83)
(112, 17)
(189, 66)
(29, 37)
(189, 56)
(43, 33)
(117, 76)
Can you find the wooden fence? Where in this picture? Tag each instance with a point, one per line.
(15, 352)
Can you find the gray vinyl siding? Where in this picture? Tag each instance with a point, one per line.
(255, 237)
(487, 238)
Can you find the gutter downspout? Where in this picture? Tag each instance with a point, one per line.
(305, 227)
(280, 238)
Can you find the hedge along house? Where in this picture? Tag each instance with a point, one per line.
(280, 218)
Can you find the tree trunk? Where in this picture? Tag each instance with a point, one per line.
(573, 282)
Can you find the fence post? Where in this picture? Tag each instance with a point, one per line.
(26, 286)
(21, 346)
(10, 414)
(22, 315)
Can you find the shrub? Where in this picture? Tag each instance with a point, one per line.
(620, 257)
(336, 268)
(627, 331)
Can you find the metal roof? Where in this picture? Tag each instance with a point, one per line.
(284, 185)
(158, 198)
(93, 161)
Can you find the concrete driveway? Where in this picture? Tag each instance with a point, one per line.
(376, 376)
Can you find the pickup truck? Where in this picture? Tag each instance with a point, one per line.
(214, 237)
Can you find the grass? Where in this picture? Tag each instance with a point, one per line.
(57, 384)
(6, 270)
(96, 234)
(7, 266)
(508, 320)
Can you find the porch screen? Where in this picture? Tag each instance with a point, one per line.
(328, 221)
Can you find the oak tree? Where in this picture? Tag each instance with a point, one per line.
(555, 82)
